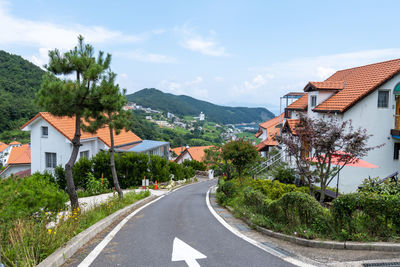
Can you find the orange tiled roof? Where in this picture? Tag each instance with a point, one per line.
(20, 155)
(265, 143)
(66, 126)
(258, 133)
(3, 146)
(197, 152)
(326, 85)
(15, 143)
(272, 122)
(291, 125)
(178, 150)
(359, 82)
(300, 104)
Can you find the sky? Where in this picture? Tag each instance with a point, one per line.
(236, 53)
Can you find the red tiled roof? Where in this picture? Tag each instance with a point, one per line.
(196, 152)
(265, 143)
(23, 173)
(359, 82)
(66, 126)
(326, 85)
(272, 122)
(300, 104)
(20, 155)
(291, 125)
(15, 143)
(3, 146)
(178, 150)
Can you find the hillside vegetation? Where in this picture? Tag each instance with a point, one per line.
(184, 105)
(19, 82)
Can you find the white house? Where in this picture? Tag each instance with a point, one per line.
(202, 117)
(266, 132)
(192, 153)
(51, 142)
(369, 96)
(18, 159)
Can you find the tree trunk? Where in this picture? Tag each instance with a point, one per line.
(112, 165)
(322, 196)
(68, 167)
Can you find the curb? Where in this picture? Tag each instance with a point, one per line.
(59, 257)
(349, 245)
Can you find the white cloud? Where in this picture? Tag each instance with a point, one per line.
(197, 80)
(205, 45)
(192, 87)
(142, 56)
(45, 35)
(219, 79)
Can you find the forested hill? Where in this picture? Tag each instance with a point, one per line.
(19, 81)
(184, 105)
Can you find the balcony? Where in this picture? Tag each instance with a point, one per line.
(396, 131)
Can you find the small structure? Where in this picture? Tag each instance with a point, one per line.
(19, 160)
(192, 153)
(202, 117)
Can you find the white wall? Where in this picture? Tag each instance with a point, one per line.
(56, 143)
(13, 169)
(378, 122)
(185, 156)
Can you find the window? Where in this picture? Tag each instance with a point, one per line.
(288, 113)
(313, 101)
(51, 160)
(84, 154)
(45, 131)
(396, 150)
(383, 99)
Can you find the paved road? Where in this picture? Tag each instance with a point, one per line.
(147, 238)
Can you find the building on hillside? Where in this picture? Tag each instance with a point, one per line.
(51, 145)
(192, 153)
(369, 96)
(267, 132)
(18, 160)
(202, 117)
(175, 152)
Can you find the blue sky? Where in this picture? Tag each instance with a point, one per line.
(226, 52)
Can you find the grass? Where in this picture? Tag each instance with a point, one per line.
(29, 241)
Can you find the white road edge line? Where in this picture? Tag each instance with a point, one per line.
(97, 250)
(252, 241)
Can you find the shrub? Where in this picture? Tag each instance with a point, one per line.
(275, 189)
(80, 170)
(283, 173)
(59, 175)
(196, 165)
(21, 197)
(177, 170)
(159, 169)
(189, 172)
(132, 168)
(228, 188)
(372, 185)
(96, 186)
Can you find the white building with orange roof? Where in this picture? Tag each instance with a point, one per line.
(369, 96)
(18, 160)
(51, 145)
(267, 132)
(192, 153)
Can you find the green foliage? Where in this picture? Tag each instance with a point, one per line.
(59, 175)
(189, 172)
(159, 169)
(185, 105)
(19, 82)
(96, 186)
(21, 197)
(241, 153)
(283, 173)
(80, 172)
(275, 189)
(177, 170)
(196, 165)
(372, 185)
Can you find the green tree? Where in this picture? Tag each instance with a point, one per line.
(72, 93)
(110, 113)
(241, 153)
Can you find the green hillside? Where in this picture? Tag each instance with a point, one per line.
(19, 81)
(184, 105)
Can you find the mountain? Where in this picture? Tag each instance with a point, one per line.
(19, 82)
(185, 105)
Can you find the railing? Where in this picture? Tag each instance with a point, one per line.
(269, 162)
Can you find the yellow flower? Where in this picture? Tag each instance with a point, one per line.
(54, 232)
(49, 231)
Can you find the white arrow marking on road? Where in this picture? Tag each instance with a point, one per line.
(183, 252)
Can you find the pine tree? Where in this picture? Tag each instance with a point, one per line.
(73, 93)
(110, 113)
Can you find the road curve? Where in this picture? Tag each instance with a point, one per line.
(147, 238)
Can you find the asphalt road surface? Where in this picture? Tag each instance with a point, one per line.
(147, 239)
